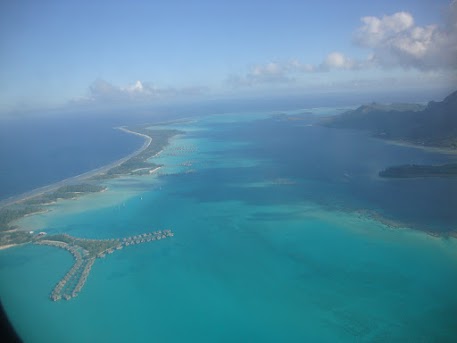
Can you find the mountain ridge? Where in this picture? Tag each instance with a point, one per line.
(433, 125)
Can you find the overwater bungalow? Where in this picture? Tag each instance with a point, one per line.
(71, 284)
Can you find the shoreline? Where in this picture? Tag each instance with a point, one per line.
(147, 142)
(7, 246)
(86, 175)
(18, 207)
(437, 150)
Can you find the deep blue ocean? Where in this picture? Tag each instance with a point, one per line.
(38, 152)
(272, 242)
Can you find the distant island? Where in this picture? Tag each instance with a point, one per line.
(434, 125)
(138, 164)
(135, 164)
(414, 171)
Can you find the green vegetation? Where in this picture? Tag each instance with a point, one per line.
(61, 238)
(435, 125)
(64, 192)
(15, 237)
(138, 164)
(81, 188)
(10, 234)
(412, 171)
(130, 167)
(93, 246)
(9, 214)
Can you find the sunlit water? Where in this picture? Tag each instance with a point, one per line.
(268, 245)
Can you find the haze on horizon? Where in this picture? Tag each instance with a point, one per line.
(69, 55)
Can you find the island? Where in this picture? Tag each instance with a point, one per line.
(85, 251)
(414, 171)
(64, 192)
(434, 125)
(138, 164)
(38, 201)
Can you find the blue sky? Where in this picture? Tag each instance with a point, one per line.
(67, 53)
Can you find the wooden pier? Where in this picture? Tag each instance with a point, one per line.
(85, 252)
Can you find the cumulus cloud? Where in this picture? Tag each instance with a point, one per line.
(286, 72)
(101, 91)
(396, 40)
(271, 72)
(296, 65)
(391, 41)
(262, 74)
(337, 60)
(376, 30)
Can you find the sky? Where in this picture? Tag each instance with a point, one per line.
(102, 53)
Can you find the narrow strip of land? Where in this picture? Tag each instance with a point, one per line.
(408, 171)
(136, 163)
(80, 177)
(85, 252)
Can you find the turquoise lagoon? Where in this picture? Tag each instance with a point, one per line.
(269, 245)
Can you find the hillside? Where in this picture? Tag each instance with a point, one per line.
(434, 125)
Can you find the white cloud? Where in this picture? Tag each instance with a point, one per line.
(391, 41)
(271, 72)
(101, 91)
(100, 88)
(337, 60)
(287, 72)
(297, 66)
(376, 30)
(271, 69)
(137, 87)
(396, 40)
